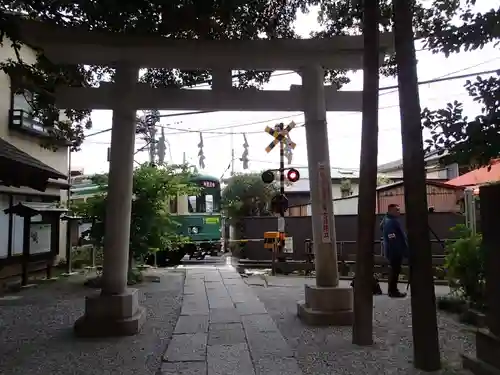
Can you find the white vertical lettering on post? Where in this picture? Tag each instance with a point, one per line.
(325, 195)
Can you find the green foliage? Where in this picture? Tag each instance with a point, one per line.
(247, 195)
(206, 19)
(82, 257)
(383, 180)
(152, 227)
(134, 277)
(468, 141)
(474, 142)
(451, 304)
(445, 26)
(93, 209)
(465, 265)
(345, 17)
(346, 187)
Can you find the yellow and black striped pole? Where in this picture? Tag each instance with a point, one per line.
(281, 246)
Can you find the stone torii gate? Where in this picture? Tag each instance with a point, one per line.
(116, 310)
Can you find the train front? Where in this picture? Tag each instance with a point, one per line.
(202, 224)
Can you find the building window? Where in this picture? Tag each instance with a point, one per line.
(22, 118)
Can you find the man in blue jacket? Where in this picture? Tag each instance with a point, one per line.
(395, 247)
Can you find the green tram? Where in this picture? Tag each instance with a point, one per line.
(200, 218)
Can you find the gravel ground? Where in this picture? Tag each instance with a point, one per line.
(330, 351)
(36, 331)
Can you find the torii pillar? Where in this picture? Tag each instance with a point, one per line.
(116, 311)
(325, 303)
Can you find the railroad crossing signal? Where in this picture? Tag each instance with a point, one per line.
(267, 176)
(279, 203)
(280, 136)
(293, 175)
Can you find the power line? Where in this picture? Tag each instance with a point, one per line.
(299, 125)
(434, 80)
(97, 133)
(394, 88)
(199, 113)
(215, 134)
(446, 76)
(230, 126)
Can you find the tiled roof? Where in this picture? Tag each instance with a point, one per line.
(12, 153)
(398, 164)
(479, 176)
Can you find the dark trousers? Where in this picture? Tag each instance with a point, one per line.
(395, 264)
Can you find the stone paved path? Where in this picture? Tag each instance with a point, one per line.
(225, 329)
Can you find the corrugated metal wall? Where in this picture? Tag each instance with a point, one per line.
(442, 199)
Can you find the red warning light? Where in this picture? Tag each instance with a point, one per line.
(293, 175)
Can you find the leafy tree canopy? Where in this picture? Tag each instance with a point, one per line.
(445, 26)
(205, 19)
(152, 227)
(247, 195)
(468, 141)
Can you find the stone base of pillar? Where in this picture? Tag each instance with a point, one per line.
(326, 306)
(114, 315)
(487, 361)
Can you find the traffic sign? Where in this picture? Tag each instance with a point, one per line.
(280, 136)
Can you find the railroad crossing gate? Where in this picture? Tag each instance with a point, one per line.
(280, 136)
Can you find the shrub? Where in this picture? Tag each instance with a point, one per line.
(465, 265)
(451, 304)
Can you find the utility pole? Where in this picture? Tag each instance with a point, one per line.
(279, 203)
(160, 149)
(151, 139)
(423, 300)
(362, 330)
(281, 226)
(232, 153)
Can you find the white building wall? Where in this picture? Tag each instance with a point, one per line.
(337, 192)
(344, 206)
(56, 159)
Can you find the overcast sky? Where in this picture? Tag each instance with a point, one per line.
(344, 129)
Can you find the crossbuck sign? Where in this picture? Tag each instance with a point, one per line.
(280, 136)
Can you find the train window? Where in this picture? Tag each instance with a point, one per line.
(203, 203)
(192, 203)
(209, 203)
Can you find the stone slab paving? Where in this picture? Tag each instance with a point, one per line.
(224, 329)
